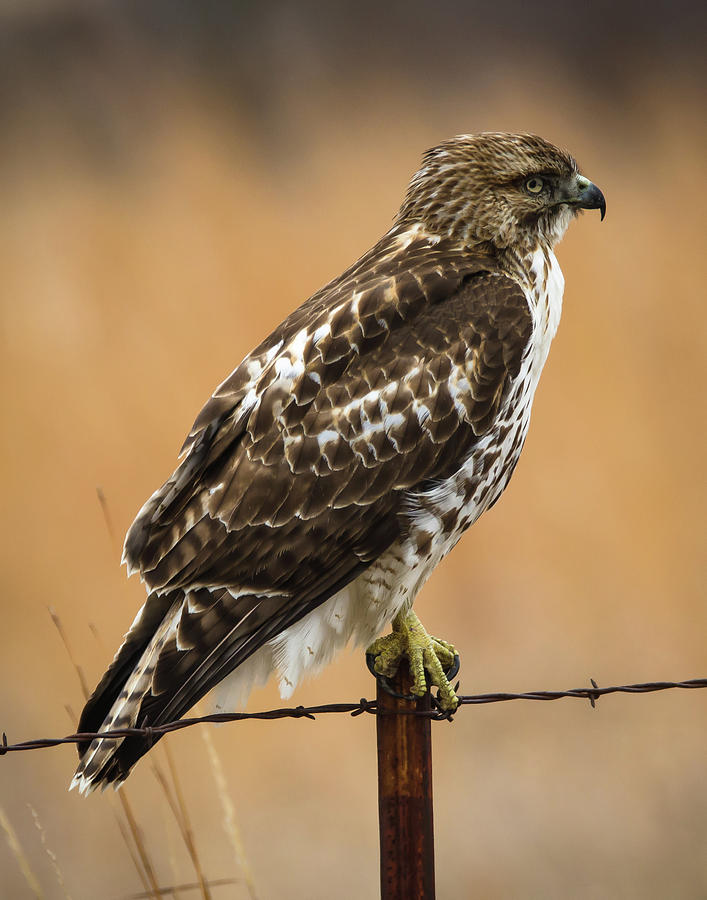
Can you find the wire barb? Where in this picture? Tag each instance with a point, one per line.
(594, 697)
(149, 733)
(364, 706)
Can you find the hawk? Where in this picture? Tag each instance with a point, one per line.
(336, 466)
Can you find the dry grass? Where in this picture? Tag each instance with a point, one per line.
(230, 821)
(50, 853)
(130, 843)
(20, 856)
(175, 799)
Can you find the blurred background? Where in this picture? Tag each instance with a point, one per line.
(175, 178)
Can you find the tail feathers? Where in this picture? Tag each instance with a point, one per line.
(100, 761)
(180, 646)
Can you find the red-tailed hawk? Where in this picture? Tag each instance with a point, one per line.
(346, 455)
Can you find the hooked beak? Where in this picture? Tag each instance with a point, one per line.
(585, 195)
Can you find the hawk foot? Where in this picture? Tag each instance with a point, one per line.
(425, 654)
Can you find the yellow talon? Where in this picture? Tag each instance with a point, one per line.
(425, 654)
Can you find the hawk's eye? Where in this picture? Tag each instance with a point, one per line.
(534, 185)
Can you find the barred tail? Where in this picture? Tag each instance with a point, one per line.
(100, 762)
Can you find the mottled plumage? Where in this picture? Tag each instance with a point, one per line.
(345, 456)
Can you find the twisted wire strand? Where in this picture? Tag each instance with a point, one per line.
(354, 709)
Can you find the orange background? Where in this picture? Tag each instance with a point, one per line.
(171, 189)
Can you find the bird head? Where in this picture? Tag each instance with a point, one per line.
(504, 189)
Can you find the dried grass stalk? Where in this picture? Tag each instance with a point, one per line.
(19, 854)
(179, 810)
(230, 823)
(50, 853)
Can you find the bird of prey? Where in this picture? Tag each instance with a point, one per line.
(345, 456)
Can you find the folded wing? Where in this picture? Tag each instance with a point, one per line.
(295, 471)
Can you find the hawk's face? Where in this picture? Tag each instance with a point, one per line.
(504, 189)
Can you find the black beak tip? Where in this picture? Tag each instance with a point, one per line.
(592, 198)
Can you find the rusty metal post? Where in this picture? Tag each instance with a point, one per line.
(407, 863)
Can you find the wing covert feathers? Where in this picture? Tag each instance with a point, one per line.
(293, 475)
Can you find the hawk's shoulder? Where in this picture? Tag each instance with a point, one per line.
(351, 316)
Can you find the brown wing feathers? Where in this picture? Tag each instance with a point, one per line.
(295, 470)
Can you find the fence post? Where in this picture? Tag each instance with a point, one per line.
(407, 866)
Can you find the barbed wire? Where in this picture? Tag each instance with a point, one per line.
(150, 733)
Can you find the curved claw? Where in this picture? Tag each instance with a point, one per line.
(432, 661)
(387, 684)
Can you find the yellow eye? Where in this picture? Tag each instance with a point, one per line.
(534, 185)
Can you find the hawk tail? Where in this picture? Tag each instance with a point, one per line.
(118, 699)
(180, 645)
